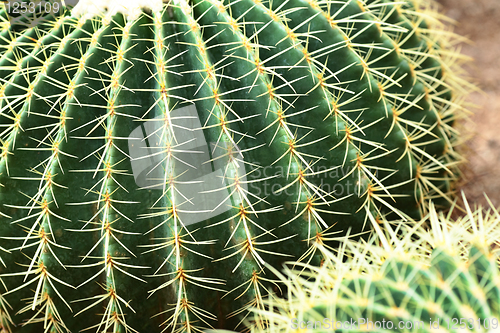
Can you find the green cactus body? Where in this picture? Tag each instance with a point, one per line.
(405, 296)
(413, 297)
(153, 162)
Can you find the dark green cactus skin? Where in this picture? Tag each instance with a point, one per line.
(344, 105)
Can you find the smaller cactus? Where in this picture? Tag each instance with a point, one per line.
(445, 278)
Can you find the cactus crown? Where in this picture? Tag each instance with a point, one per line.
(153, 162)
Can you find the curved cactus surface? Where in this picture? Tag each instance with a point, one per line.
(153, 159)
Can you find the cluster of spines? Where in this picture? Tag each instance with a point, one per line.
(112, 260)
(24, 64)
(404, 51)
(183, 313)
(427, 48)
(310, 199)
(44, 203)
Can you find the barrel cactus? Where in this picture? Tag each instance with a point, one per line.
(157, 155)
(446, 280)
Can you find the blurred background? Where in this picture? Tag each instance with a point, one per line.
(479, 21)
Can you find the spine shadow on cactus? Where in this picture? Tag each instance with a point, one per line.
(319, 117)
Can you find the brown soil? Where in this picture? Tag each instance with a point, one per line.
(478, 21)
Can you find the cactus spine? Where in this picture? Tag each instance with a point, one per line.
(291, 120)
